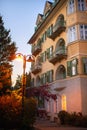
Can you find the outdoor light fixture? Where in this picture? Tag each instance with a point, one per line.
(25, 58)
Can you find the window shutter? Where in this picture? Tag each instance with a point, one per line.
(51, 76)
(41, 79)
(69, 70)
(47, 53)
(42, 39)
(47, 76)
(48, 32)
(42, 57)
(32, 82)
(84, 61)
(51, 51)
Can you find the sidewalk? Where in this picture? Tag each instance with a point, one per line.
(43, 124)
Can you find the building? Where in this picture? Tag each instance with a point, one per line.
(59, 45)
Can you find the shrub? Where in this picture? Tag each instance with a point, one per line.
(74, 119)
(29, 112)
(10, 110)
(62, 116)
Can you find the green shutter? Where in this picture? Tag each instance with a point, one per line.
(32, 82)
(47, 74)
(41, 79)
(69, 68)
(51, 73)
(51, 51)
(42, 57)
(84, 61)
(48, 32)
(47, 53)
(42, 38)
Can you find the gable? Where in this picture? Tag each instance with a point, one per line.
(39, 19)
(48, 6)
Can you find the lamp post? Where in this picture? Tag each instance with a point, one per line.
(26, 58)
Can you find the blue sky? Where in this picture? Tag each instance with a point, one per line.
(20, 17)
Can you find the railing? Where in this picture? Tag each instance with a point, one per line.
(58, 55)
(36, 68)
(58, 25)
(36, 49)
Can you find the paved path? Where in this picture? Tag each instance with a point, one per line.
(43, 124)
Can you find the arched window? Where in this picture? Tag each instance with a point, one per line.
(60, 18)
(61, 72)
(60, 45)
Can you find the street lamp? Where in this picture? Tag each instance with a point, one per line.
(25, 58)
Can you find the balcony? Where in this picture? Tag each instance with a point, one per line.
(36, 68)
(58, 55)
(36, 49)
(58, 28)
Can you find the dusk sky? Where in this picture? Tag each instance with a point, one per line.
(20, 17)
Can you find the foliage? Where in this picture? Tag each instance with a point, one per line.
(74, 119)
(28, 79)
(42, 91)
(7, 52)
(30, 111)
(18, 83)
(62, 116)
(10, 110)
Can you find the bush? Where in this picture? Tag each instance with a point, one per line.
(10, 110)
(62, 116)
(74, 119)
(29, 112)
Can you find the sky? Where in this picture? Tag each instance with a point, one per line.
(20, 17)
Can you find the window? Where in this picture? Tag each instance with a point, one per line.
(61, 72)
(71, 6)
(44, 37)
(72, 35)
(38, 81)
(49, 75)
(43, 79)
(84, 60)
(43, 57)
(32, 82)
(64, 103)
(41, 102)
(83, 32)
(72, 67)
(49, 52)
(81, 5)
(50, 30)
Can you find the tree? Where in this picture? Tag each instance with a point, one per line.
(18, 83)
(28, 79)
(7, 53)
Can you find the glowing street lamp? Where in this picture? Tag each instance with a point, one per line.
(25, 58)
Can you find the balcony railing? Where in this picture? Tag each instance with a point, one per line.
(36, 49)
(36, 68)
(58, 55)
(58, 28)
